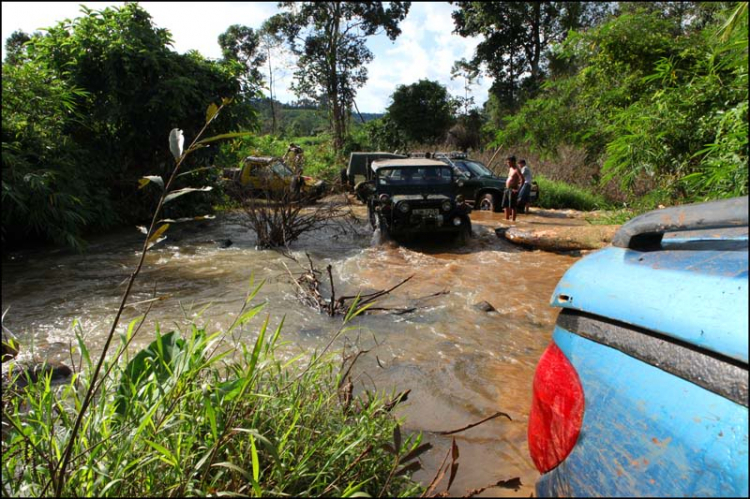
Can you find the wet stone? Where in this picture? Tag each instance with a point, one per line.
(484, 306)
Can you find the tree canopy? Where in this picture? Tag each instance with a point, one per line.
(86, 113)
(422, 111)
(515, 38)
(662, 104)
(329, 39)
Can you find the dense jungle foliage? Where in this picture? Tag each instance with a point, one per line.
(646, 103)
(660, 102)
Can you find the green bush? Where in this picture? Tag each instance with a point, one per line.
(660, 103)
(559, 195)
(186, 418)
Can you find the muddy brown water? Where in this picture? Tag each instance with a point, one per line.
(460, 363)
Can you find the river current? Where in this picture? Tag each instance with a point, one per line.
(460, 362)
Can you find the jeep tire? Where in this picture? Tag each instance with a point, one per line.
(385, 233)
(488, 202)
(465, 232)
(372, 216)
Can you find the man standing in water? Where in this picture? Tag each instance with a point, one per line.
(512, 184)
(525, 191)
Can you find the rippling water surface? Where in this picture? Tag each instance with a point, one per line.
(461, 364)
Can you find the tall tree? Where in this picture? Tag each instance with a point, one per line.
(329, 39)
(516, 37)
(422, 111)
(272, 46)
(15, 51)
(243, 45)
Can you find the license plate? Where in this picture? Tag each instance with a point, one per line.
(427, 212)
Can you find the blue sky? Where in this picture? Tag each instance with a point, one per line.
(426, 48)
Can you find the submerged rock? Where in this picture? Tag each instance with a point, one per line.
(484, 306)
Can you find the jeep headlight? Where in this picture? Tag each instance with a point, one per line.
(446, 206)
(403, 207)
(457, 221)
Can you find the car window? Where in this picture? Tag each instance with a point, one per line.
(476, 168)
(462, 168)
(281, 169)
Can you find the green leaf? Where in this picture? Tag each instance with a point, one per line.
(225, 136)
(256, 462)
(155, 236)
(211, 112)
(234, 467)
(175, 194)
(187, 219)
(168, 456)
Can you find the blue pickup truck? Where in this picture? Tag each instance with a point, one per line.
(643, 390)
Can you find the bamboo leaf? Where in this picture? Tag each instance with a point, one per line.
(417, 452)
(187, 219)
(168, 456)
(155, 236)
(176, 142)
(175, 194)
(409, 468)
(144, 181)
(211, 112)
(224, 136)
(234, 467)
(256, 463)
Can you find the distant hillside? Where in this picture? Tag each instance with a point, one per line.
(299, 118)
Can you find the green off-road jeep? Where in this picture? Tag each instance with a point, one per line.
(416, 196)
(481, 187)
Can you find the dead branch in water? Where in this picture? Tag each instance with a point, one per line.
(308, 291)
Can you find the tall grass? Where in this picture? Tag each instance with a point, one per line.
(189, 416)
(560, 195)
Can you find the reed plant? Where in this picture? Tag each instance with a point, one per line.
(192, 415)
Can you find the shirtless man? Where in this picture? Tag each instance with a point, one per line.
(512, 184)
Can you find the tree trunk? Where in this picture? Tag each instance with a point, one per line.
(270, 89)
(333, 83)
(537, 48)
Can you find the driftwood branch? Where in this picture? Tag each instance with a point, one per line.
(308, 290)
(472, 425)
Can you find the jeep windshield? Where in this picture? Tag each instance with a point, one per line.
(427, 175)
(281, 169)
(473, 168)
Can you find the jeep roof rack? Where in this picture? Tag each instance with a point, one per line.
(646, 231)
(452, 155)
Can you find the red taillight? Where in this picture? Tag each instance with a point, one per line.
(556, 410)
